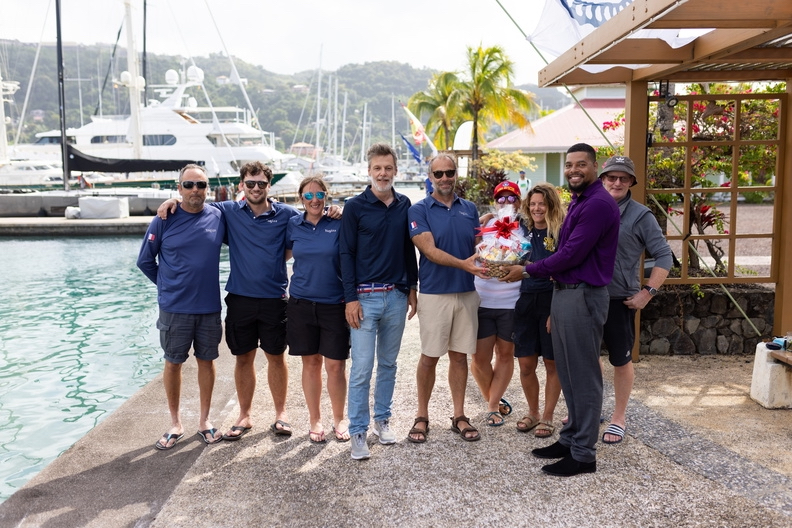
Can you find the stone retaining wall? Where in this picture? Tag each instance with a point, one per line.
(677, 322)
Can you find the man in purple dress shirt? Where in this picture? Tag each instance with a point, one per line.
(582, 268)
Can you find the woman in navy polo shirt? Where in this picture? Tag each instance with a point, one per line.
(316, 323)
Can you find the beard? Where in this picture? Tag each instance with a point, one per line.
(381, 186)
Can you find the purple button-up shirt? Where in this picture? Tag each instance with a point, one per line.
(587, 242)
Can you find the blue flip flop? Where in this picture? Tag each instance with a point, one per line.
(208, 436)
(163, 446)
(505, 407)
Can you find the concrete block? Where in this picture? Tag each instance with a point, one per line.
(104, 207)
(771, 383)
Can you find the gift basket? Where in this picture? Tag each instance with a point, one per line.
(502, 243)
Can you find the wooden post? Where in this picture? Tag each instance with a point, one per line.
(782, 223)
(636, 114)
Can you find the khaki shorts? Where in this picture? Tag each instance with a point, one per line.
(448, 322)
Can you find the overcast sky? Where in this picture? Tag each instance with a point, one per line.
(287, 36)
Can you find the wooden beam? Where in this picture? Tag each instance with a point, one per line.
(706, 14)
(644, 51)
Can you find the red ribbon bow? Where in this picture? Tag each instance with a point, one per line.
(502, 228)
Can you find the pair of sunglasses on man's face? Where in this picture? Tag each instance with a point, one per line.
(319, 195)
(190, 184)
(450, 173)
(262, 184)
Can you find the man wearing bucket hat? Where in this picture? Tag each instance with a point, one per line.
(638, 232)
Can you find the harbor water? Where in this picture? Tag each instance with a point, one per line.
(77, 321)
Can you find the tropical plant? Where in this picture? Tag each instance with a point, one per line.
(486, 94)
(442, 119)
(492, 168)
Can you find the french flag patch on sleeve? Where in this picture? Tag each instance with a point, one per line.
(413, 225)
(152, 237)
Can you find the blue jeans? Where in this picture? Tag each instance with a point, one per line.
(380, 332)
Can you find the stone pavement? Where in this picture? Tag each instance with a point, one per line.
(699, 452)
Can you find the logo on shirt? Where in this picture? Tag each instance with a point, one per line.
(413, 225)
(273, 221)
(330, 230)
(210, 230)
(152, 237)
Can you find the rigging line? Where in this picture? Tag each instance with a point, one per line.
(109, 67)
(29, 88)
(234, 68)
(305, 103)
(651, 196)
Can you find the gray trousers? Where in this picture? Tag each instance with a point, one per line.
(576, 320)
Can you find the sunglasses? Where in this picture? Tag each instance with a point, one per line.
(450, 173)
(623, 179)
(319, 195)
(190, 184)
(251, 184)
(503, 199)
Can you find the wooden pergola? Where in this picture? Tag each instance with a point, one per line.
(746, 41)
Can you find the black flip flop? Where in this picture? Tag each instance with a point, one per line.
(233, 438)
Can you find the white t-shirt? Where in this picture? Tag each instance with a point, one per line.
(525, 186)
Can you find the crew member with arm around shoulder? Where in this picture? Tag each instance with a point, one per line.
(638, 232)
(582, 268)
(181, 255)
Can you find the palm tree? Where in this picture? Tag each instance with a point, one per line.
(487, 95)
(443, 119)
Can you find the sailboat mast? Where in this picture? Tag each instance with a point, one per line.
(134, 89)
(318, 106)
(363, 135)
(62, 99)
(343, 126)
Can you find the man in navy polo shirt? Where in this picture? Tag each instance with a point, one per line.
(582, 268)
(380, 279)
(181, 255)
(443, 227)
(256, 300)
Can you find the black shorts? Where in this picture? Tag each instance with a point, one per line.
(495, 322)
(252, 322)
(619, 333)
(316, 328)
(530, 325)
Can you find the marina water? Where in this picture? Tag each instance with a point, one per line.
(78, 338)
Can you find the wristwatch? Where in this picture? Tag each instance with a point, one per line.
(525, 274)
(652, 291)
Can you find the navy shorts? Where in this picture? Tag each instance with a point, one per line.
(316, 328)
(252, 322)
(181, 332)
(495, 322)
(530, 325)
(619, 333)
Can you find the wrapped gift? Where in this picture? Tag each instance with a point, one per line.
(502, 243)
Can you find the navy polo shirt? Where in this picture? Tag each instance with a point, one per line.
(256, 249)
(181, 255)
(375, 243)
(316, 272)
(454, 231)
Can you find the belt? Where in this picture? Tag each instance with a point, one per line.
(574, 286)
(371, 287)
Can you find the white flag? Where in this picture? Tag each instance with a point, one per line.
(564, 23)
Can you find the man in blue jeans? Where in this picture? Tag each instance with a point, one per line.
(380, 276)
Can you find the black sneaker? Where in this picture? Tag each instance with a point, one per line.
(569, 467)
(557, 450)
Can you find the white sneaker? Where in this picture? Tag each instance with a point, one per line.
(382, 429)
(360, 450)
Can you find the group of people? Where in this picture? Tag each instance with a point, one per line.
(355, 282)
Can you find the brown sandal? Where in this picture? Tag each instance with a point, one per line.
(416, 431)
(544, 430)
(463, 432)
(527, 423)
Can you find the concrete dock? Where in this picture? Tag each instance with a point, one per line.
(60, 226)
(698, 452)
